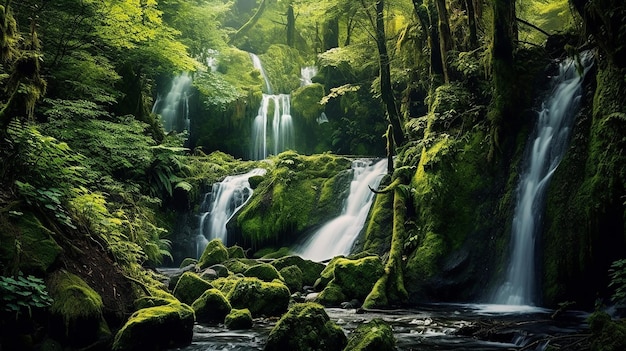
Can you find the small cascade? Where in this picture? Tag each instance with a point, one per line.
(274, 109)
(306, 75)
(174, 108)
(338, 235)
(219, 206)
(546, 147)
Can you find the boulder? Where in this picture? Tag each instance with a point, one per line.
(376, 335)
(221, 270)
(214, 253)
(156, 328)
(236, 265)
(264, 271)
(236, 252)
(306, 327)
(211, 306)
(292, 276)
(261, 298)
(352, 279)
(310, 270)
(188, 262)
(189, 287)
(238, 319)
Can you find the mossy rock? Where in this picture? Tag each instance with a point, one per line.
(236, 265)
(376, 335)
(261, 298)
(292, 275)
(226, 285)
(189, 287)
(306, 327)
(310, 270)
(238, 319)
(211, 306)
(150, 301)
(264, 271)
(270, 252)
(187, 262)
(214, 253)
(352, 279)
(76, 309)
(156, 328)
(236, 251)
(332, 295)
(607, 334)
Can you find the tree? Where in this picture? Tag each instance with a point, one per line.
(445, 39)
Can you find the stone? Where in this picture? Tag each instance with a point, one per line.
(375, 335)
(211, 306)
(189, 287)
(238, 319)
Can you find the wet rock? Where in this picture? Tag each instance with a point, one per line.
(306, 327)
(209, 274)
(310, 270)
(189, 287)
(351, 304)
(292, 276)
(236, 252)
(375, 335)
(188, 262)
(352, 279)
(211, 306)
(261, 298)
(238, 319)
(264, 271)
(214, 253)
(220, 269)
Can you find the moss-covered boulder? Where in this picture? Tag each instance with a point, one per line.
(376, 335)
(236, 265)
(292, 276)
(352, 279)
(188, 261)
(236, 251)
(211, 306)
(189, 287)
(156, 328)
(238, 319)
(76, 309)
(151, 301)
(306, 327)
(310, 270)
(214, 253)
(607, 334)
(264, 271)
(225, 285)
(327, 274)
(261, 298)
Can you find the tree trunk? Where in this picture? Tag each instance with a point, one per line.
(330, 35)
(251, 22)
(471, 22)
(445, 39)
(291, 26)
(386, 91)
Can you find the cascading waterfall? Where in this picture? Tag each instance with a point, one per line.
(282, 136)
(174, 108)
(219, 206)
(306, 75)
(547, 145)
(338, 235)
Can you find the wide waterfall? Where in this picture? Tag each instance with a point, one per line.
(274, 109)
(338, 235)
(174, 108)
(219, 206)
(546, 147)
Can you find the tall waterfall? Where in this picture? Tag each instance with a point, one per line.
(219, 206)
(338, 235)
(174, 108)
(306, 75)
(274, 109)
(544, 151)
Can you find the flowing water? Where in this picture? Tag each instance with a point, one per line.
(306, 75)
(219, 206)
(546, 147)
(174, 108)
(338, 235)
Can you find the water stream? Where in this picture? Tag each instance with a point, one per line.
(218, 207)
(338, 235)
(174, 108)
(545, 149)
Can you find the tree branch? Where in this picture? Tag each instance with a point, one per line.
(532, 26)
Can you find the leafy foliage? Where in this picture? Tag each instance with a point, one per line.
(618, 280)
(23, 293)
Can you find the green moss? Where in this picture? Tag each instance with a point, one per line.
(261, 298)
(149, 301)
(226, 285)
(310, 270)
(327, 274)
(214, 253)
(306, 327)
(292, 275)
(238, 319)
(305, 102)
(332, 295)
(375, 335)
(379, 225)
(189, 287)
(236, 265)
(156, 328)
(351, 279)
(236, 252)
(264, 271)
(187, 262)
(211, 306)
(269, 252)
(282, 65)
(607, 334)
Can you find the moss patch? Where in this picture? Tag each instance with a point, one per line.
(261, 298)
(211, 306)
(238, 319)
(264, 271)
(310, 270)
(214, 253)
(189, 287)
(376, 335)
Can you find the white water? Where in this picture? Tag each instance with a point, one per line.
(338, 235)
(545, 150)
(256, 62)
(219, 206)
(174, 108)
(306, 75)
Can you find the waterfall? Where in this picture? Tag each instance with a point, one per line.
(306, 75)
(278, 106)
(219, 206)
(546, 147)
(338, 235)
(174, 108)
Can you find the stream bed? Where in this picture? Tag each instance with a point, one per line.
(431, 327)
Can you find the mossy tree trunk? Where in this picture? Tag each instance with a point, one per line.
(471, 23)
(445, 39)
(291, 26)
(251, 22)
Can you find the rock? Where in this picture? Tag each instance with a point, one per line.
(173, 280)
(351, 304)
(306, 327)
(236, 252)
(211, 306)
(311, 297)
(292, 275)
(209, 274)
(150, 301)
(189, 287)
(221, 270)
(376, 335)
(264, 271)
(214, 253)
(236, 265)
(310, 270)
(156, 328)
(238, 319)
(261, 298)
(332, 295)
(76, 311)
(188, 262)
(352, 279)
(327, 274)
